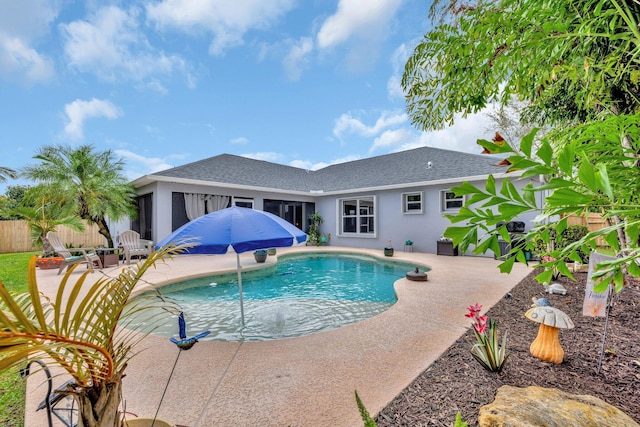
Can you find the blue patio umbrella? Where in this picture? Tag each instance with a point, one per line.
(242, 229)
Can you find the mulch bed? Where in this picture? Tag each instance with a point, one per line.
(457, 383)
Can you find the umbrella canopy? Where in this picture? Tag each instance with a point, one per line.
(243, 229)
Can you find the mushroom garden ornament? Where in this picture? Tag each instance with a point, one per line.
(546, 346)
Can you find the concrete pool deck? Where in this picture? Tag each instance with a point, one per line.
(306, 381)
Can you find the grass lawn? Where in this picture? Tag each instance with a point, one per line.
(13, 273)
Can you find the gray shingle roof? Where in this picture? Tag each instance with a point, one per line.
(401, 168)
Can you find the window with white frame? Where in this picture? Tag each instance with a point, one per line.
(357, 216)
(449, 201)
(243, 202)
(412, 203)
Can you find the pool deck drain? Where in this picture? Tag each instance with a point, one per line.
(305, 381)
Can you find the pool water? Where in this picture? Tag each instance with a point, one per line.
(301, 295)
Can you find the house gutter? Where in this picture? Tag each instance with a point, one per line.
(415, 184)
(150, 179)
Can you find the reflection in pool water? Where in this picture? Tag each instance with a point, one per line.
(302, 294)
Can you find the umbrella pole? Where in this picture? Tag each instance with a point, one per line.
(240, 289)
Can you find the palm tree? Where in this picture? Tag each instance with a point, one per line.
(90, 181)
(42, 212)
(85, 336)
(7, 173)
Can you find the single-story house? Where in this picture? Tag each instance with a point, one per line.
(364, 203)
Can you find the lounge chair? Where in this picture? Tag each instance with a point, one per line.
(133, 245)
(87, 256)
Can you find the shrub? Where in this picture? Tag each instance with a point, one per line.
(571, 234)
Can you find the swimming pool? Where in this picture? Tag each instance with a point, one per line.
(302, 294)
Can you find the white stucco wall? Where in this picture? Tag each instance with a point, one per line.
(423, 229)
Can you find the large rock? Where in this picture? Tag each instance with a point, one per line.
(538, 406)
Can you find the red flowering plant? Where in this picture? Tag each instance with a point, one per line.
(487, 350)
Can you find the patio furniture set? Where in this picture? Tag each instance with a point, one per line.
(130, 246)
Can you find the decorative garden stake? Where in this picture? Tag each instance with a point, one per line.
(184, 343)
(546, 346)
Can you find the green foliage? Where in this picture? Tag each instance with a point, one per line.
(43, 212)
(76, 330)
(72, 246)
(13, 273)
(577, 65)
(90, 183)
(13, 270)
(366, 418)
(12, 398)
(570, 60)
(12, 198)
(7, 173)
(571, 235)
(459, 422)
(313, 235)
(602, 180)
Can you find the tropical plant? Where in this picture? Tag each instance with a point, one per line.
(577, 65)
(82, 330)
(458, 422)
(364, 414)
(91, 182)
(487, 350)
(7, 173)
(313, 236)
(571, 61)
(43, 213)
(579, 176)
(11, 199)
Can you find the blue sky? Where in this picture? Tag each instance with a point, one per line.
(305, 83)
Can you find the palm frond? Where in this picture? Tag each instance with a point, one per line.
(79, 329)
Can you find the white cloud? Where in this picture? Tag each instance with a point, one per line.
(239, 141)
(78, 111)
(297, 57)
(346, 124)
(363, 25)
(227, 20)
(308, 165)
(138, 165)
(268, 156)
(392, 139)
(111, 45)
(462, 135)
(22, 24)
(19, 62)
(361, 19)
(398, 60)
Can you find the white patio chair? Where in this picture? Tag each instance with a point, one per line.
(87, 256)
(133, 246)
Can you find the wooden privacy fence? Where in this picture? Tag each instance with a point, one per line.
(593, 221)
(15, 237)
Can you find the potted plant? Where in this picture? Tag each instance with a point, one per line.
(79, 334)
(49, 262)
(388, 251)
(260, 255)
(314, 236)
